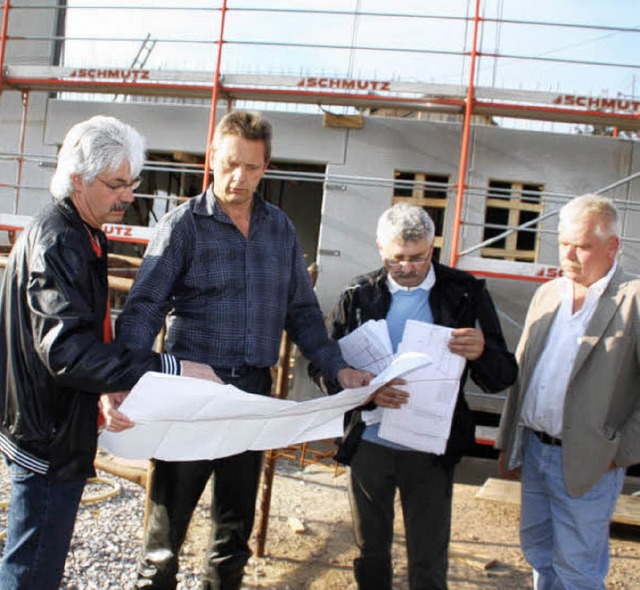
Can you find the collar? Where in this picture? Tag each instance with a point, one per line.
(68, 207)
(596, 289)
(206, 204)
(426, 285)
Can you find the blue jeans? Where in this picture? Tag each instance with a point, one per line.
(565, 539)
(42, 513)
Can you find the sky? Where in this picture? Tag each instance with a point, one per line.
(184, 40)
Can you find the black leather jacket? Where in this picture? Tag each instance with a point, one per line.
(53, 361)
(457, 300)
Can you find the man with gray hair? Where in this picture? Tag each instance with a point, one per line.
(55, 354)
(572, 420)
(410, 285)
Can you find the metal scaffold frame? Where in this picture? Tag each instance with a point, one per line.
(466, 101)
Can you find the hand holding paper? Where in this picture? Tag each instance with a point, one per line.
(391, 395)
(114, 419)
(467, 342)
(350, 378)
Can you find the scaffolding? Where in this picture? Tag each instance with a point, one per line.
(474, 53)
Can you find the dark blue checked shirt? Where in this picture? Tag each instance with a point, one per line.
(227, 298)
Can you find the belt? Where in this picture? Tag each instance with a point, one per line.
(241, 371)
(547, 439)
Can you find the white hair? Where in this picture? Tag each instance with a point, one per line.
(93, 146)
(585, 206)
(404, 222)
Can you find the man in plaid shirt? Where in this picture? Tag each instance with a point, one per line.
(227, 271)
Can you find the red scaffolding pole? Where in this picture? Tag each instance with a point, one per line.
(214, 97)
(464, 144)
(3, 39)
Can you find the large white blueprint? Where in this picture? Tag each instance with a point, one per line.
(185, 419)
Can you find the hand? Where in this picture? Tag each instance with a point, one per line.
(352, 378)
(467, 342)
(198, 371)
(390, 395)
(114, 419)
(502, 468)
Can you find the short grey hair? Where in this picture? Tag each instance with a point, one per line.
(93, 146)
(583, 207)
(404, 222)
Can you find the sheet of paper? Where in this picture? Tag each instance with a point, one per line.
(184, 419)
(424, 423)
(433, 340)
(368, 348)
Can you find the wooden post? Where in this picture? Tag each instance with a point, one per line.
(269, 468)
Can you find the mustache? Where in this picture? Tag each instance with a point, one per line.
(570, 266)
(120, 207)
(404, 274)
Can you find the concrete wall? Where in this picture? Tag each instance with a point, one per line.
(562, 163)
(350, 215)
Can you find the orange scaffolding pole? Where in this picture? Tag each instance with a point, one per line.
(3, 39)
(214, 97)
(464, 147)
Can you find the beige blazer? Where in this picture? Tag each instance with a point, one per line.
(602, 405)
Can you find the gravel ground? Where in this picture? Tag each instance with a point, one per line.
(106, 538)
(108, 533)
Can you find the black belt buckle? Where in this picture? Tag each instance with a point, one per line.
(547, 439)
(236, 372)
(229, 372)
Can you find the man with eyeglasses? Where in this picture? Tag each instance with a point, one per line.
(56, 357)
(410, 285)
(228, 269)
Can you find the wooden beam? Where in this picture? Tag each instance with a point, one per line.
(136, 472)
(334, 121)
(501, 490)
(513, 204)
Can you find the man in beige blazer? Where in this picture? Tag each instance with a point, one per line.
(571, 424)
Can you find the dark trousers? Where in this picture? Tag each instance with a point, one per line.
(426, 487)
(176, 487)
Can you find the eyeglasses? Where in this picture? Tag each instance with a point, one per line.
(122, 187)
(414, 262)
